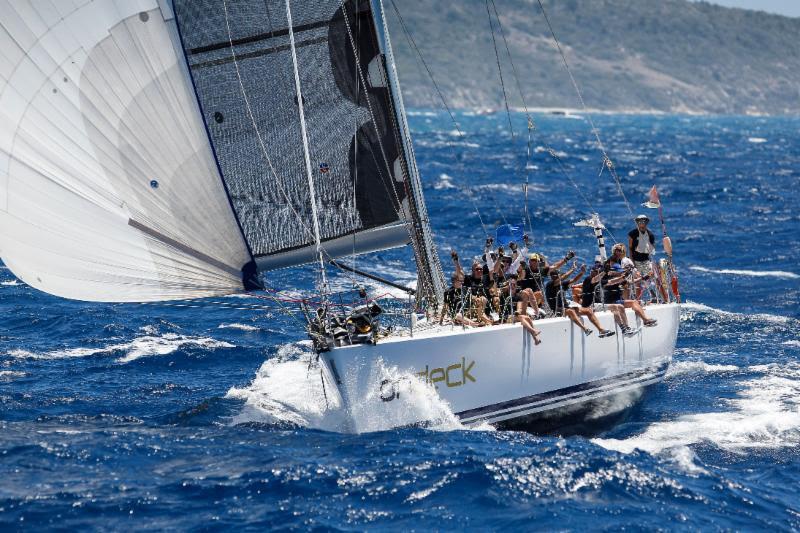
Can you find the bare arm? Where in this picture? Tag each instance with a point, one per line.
(578, 276)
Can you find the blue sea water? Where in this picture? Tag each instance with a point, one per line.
(207, 416)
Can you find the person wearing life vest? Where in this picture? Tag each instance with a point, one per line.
(641, 245)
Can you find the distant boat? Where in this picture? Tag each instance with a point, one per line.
(173, 149)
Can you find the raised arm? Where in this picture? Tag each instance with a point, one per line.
(457, 263)
(578, 276)
(563, 261)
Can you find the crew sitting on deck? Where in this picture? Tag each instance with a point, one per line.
(591, 298)
(616, 280)
(555, 294)
(460, 305)
(536, 276)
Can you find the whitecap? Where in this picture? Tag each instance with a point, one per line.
(11, 283)
(754, 273)
(792, 342)
(236, 325)
(445, 182)
(763, 317)
(756, 140)
(9, 375)
(145, 346)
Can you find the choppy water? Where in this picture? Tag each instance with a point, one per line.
(203, 417)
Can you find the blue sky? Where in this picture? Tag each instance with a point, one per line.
(789, 8)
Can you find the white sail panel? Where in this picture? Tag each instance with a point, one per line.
(109, 190)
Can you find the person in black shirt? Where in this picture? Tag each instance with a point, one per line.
(641, 245)
(592, 294)
(536, 275)
(554, 293)
(456, 302)
(615, 280)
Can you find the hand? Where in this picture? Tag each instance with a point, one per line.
(525, 238)
(454, 256)
(583, 268)
(500, 251)
(575, 264)
(570, 255)
(513, 246)
(489, 241)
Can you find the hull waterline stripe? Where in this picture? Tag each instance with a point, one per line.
(560, 394)
(554, 406)
(558, 404)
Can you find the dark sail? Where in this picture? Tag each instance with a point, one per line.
(239, 58)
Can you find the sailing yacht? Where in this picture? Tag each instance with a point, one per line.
(155, 150)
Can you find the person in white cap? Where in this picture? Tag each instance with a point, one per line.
(641, 245)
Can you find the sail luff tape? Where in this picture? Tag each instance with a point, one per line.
(184, 248)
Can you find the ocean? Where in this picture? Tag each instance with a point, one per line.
(206, 415)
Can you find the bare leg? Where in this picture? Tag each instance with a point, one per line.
(480, 311)
(637, 308)
(572, 315)
(527, 323)
(619, 314)
(585, 311)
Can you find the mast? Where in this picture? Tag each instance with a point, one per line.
(306, 154)
(429, 267)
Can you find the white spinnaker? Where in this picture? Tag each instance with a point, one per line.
(108, 186)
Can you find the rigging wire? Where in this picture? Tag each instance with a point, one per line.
(531, 123)
(532, 133)
(606, 159)
(500, 71)
(261, 142)
(413, 43)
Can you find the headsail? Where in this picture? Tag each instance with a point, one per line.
(108, 187)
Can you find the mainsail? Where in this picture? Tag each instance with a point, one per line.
(151, 149)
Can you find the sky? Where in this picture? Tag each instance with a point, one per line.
(790, 8)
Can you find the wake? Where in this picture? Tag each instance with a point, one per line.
(765, 414)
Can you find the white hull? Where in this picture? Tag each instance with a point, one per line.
(496, 375)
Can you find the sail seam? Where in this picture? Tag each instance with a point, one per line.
(188, 250)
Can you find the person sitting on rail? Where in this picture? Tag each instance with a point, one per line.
(456, 301)
(465, 304)
(591, 298)
(537, 271)
(527, 292)
(615, 281)
(555, 291)
(512, 309)
(587, 310)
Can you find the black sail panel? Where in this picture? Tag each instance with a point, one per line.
(240, 60)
